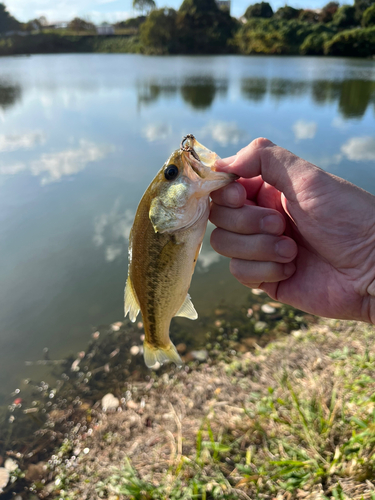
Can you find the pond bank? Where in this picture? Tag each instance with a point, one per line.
(292, 419)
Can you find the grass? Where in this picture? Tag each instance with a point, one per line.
(295, 420)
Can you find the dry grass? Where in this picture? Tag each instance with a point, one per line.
(295, 420)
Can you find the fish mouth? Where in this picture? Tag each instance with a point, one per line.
(203, 165)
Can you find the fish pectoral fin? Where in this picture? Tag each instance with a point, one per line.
(131, 304)
(153, 355)
(187, 309)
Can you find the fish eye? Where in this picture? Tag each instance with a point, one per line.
(171, 172)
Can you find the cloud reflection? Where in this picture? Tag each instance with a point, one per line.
(53, 166)
(156, 131)
(224, 133)
(304, 130)
(359, 149)
(21, 141)
(111, 231)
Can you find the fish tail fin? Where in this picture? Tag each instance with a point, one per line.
(160, 355)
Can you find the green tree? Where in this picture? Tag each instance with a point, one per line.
(287, 13)
(198, 6)
(262, 9)
(133, 22)
(360, 7)
(328, 12)
(308, 16)
(7, 22)
(78, 24)
(368, 18)
(158, 32)
(144, 5)
(358, 42)
(204, 28)
(345, 17)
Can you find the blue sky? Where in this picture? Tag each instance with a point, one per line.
(115, 10)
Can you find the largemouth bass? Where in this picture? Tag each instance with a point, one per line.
(164, 244)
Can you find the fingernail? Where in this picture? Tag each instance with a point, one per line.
(271, 224)
(232, 196)
(289, 269)
(286, 248)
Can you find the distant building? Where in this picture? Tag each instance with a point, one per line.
(58, 25)
(105, 29)
(224, 4)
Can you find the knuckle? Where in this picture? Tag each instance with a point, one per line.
(262, 142)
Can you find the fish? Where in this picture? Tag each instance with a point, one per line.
(164, 244)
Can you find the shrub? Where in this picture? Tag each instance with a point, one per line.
(158, 32)
(262, 9)
(314, 43)
(355, 43)
(368, 18)
(345, 17)
(286, 13)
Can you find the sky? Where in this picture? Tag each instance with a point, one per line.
(116, 10)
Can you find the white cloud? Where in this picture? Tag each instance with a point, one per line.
(224, 133)
(112, 252)
(304, 130)
(359, 149)
(65, 10)
(53, 166)
(21, 141)
(339, 123)
(207, 258)
(12, 169)
(111, 231)
(156, 131)
(328, 161)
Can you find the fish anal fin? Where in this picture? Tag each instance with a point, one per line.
(187, 309)
(131, 304)
(153, 355)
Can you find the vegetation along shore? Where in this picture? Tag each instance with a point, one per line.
(204, 27)
(273, 404)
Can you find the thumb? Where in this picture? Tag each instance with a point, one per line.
(277, 166)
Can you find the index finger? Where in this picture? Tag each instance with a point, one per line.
(277, 166)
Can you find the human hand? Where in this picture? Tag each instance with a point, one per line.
(304, 236)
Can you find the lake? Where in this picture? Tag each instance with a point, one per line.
(81, 137)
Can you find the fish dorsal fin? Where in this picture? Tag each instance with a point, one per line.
(187, 309)
(131, 304)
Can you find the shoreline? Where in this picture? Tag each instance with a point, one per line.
(57, 43)
(288, 413)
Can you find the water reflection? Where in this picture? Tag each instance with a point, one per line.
(254, 89)
(51, 167)
(224, 133)
(9, 95)
(111, 231)
(353, 96)
(28, 140)
(198, 92)
(359, 149)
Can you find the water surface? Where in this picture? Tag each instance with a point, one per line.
(81, 137)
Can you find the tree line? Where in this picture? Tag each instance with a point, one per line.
(201, 27)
